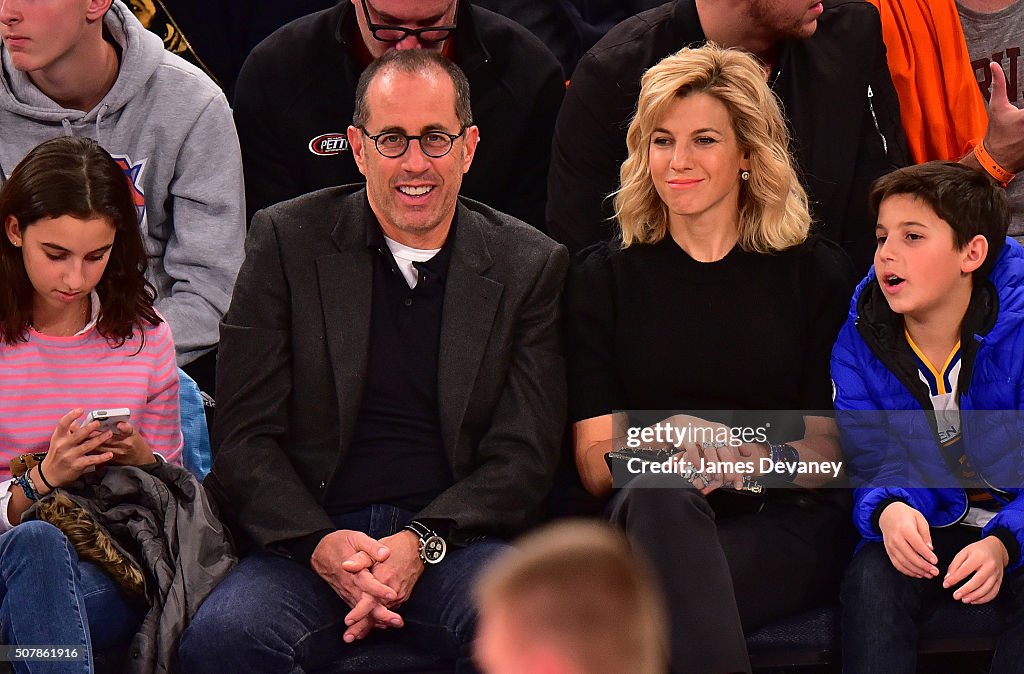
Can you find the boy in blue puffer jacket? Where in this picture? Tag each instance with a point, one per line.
(928, 376)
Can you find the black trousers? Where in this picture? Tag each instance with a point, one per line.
(730, 563)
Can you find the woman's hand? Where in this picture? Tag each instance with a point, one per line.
(74, 448)
(725, 464)
(128, 447)
(720, 462)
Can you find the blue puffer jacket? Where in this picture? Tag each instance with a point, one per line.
(891, 447)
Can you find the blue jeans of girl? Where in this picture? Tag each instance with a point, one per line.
(50, 597)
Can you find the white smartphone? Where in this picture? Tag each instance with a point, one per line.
(109, 419)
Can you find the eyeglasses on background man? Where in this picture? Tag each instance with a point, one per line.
(386, 33)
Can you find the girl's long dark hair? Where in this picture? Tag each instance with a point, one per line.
(75, 176)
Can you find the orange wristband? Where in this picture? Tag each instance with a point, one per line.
(991, 166)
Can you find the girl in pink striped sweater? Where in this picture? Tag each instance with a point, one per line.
(77, 332)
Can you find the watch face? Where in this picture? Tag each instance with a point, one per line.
(434, 549)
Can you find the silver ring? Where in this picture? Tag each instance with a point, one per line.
(704, 478)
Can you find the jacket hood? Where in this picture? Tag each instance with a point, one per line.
(1008, 278)
(141, 53)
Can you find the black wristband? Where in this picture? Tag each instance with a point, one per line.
(39, 469)
(876, 514)
(1009, 542)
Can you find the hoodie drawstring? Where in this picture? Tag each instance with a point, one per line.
(99, 120)
(69, 131)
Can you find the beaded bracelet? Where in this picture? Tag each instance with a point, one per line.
(991, 166)
(26, 487)
(32, 483)
(788, 456)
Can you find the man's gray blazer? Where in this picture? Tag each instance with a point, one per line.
(293, 362)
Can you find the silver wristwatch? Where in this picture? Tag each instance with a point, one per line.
(432, 546)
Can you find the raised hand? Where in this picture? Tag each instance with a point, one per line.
(1004, 138)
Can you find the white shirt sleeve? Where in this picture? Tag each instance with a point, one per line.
(5, 501)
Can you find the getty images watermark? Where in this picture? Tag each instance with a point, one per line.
(704, 438)
(764, 448)
(746, 445)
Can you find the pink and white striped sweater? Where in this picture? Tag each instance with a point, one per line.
(44, 378)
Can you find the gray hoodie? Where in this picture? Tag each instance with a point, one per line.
(171, 129)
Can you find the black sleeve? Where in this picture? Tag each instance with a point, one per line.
(827, 282)
(887, 108)
(589, 146)
(595, 388)
(883, 147)
(268, 179)
(876, 514)
(253, 473)
(1011, 544)
(515, 458)
(526, 196)
(301, 549)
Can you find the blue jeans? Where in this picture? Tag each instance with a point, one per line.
(273, 614)
(882, 607)
(49, 597)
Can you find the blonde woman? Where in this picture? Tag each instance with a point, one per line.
(715, 298)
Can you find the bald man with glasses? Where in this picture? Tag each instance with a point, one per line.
(391, 396)
(296, 92)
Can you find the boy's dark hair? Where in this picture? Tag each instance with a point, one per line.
(965, 198)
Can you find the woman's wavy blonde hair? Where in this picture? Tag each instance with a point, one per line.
(773, 205)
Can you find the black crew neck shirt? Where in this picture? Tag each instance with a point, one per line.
(650, 328)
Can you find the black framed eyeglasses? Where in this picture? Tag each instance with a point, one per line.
(434, 144)
(383, 33)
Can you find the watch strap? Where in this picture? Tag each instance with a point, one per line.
(432, 546)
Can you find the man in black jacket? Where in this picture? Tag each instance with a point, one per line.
(390, 367)
(294, 97)
(825, 61)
